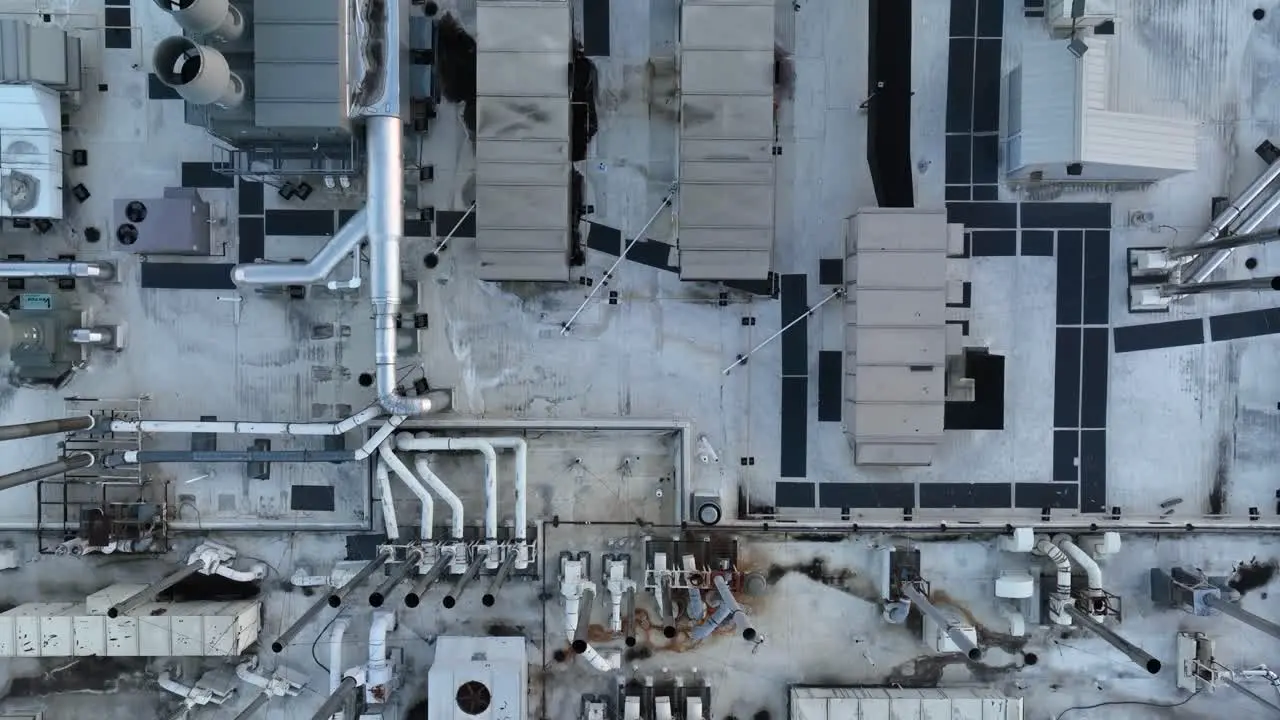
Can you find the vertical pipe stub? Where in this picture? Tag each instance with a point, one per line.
(199, 73)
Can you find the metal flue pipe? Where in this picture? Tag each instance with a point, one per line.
(463, 581)
(57, 269)
(629, 618)
(1227, 242)
(379, 596)
(1231, 683)
(957, 636)
(339, 594)
(499, 578)
(46, 427)
(77, 461)
(1226, 607)
(151, 591)
(343, 244)
(1134, 653)
(280, 643)
(1220, 286)
(1202, 267)
(414, 596)
(586, 602)
(253, 707)
(337, 699)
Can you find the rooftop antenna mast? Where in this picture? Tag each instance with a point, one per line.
(666, 202)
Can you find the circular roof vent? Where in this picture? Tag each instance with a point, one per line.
(473, 697)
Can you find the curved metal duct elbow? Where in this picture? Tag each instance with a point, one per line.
(1060, 559)
(215, 19)
(343, 244)
(199, 73)
(1081, 558)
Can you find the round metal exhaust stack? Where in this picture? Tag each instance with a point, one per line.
(200, 74)
(216, 20)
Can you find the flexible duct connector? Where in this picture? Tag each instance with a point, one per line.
(1060, 559)
(1086, 563)
(57, 269)
(215, 19)
(343, 244)
(198, 73)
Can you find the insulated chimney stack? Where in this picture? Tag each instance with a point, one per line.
(199, 73)
(214, 20)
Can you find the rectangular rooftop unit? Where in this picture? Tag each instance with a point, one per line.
(478, 678)
(1061, 126)
(836, 703)
(895, 334)
(726, 139)
(300, 64)
(30, 152)
(523, 165)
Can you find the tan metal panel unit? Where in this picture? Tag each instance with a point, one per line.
(726, 172)
(523, 121)
(896, 346)
(822, 703)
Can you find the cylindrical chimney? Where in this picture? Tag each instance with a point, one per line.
(213, 19)
(200, 74)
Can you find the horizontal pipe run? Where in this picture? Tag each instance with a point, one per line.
(252, 708)
(343, 244)
(455, 593)
(500, 577)
(420, 587)
(150, 592)
(962, 641)
(241, 427)
(379, 595)
(46, 427)
(75, 461)
(57, 269)
(337, 699)
(141, 457)
(281, 642)
(1200, 268)
(1136, 654)
(1231, 609)
(339, 594)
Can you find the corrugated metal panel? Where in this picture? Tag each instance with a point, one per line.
(30, 53)
(815, 703)
(1159, 146)
(522, 139)
(1049, 93)
(726, 212)
(301, 71)
(896, 273)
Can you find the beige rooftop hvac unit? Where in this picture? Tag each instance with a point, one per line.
(39, 54)
(160, 629)
(899, 279)
(478, 678)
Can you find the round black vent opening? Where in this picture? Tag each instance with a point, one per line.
(135, 211)
(127, 234)
(473, 697)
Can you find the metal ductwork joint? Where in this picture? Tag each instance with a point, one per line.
(343, 244)
(57, 269)
(216, 20)
(198, 73)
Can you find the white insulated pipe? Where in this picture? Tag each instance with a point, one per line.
(598, 661)
(1059, 559)
(396, 465)
(384, 621)
(344, 243)
(383, 478)
(1082, 559)
(405, 441)
(339, 630)
(521, 482)
(238, 427)
(57, 269)
(446, 493)
(168, 683)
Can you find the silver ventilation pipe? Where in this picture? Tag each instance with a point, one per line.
(77, 461)
(344, 243)
(57, 269)
(215, 19)
(1201, 267)
(199, 73)
(46, 427)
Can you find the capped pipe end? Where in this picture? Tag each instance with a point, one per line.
(749, 634)
(579, 646)
(488, 600)
(630, 641)
(277, 647)
(975, 654)
(113, 612)
(334, 601)
(669, 632)
(412, 600)
(1153, 666)
(376, 599)
(449, 601)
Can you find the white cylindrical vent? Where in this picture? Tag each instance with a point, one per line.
(1015, 586)
(213, 19)
(200, 74)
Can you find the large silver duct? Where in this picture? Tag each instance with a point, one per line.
(214, 19)
(46, 427)
(199, 73)
(76, 461)
(342, 244)
(1200, 268)
(57, 269)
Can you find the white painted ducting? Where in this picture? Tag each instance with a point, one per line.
(378, 671)
(397, 466)
(345, 243)
(383, 478)
(1092, 571)
(1062, 594)
(57, 269)
(423, 466)
(600, 662)
(335, 651)
(406, 442)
